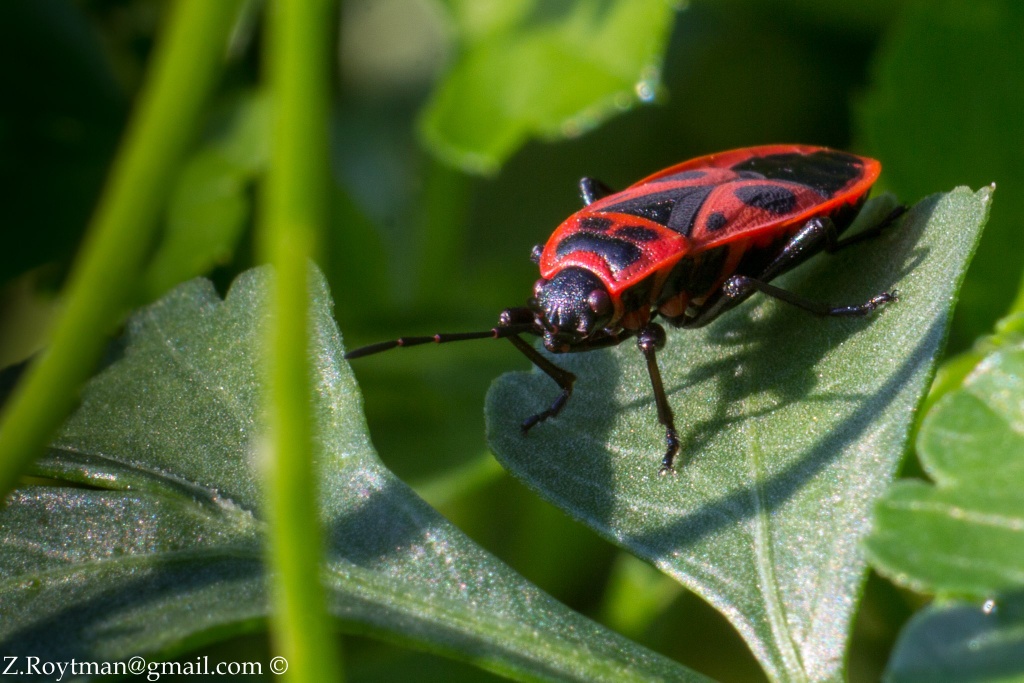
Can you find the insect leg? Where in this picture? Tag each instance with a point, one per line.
(650, 339)
(867, 234)
(563, 378)
(818, 234)
(741, 286)
(592, 189)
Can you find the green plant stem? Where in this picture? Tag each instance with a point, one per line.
(299, 56)
(185, 67)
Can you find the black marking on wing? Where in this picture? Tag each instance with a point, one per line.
(771, 198)
(676, 208)
(655, 206)
(596, 223)
(617, 253)
(715, 221)
(636, 233)
(824, 171)
(682, 175)
(687, 207)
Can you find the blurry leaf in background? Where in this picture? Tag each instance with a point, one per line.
(25, 314)
(211, 202)
(391, 52)
(61, 113)
(157, 544)
(966, 532)
(543, 68)
(964, 536)
(945, 109)
(952, 539)
(954, 642)
(791, 427)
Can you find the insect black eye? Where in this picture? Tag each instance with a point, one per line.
(600, 303)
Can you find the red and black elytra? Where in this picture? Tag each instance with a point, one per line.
(685, 244)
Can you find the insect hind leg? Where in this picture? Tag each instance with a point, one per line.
(741, 286)
(868, 233)
(820, 234)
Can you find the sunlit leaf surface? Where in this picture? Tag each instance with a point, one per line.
(792, 426)
(160, 548)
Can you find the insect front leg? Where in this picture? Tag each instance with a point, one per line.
(563, 378)
(650, 339)
(515, 319)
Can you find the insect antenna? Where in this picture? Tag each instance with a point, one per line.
(499, 332)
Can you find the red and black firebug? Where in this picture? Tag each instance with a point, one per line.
(685, 244)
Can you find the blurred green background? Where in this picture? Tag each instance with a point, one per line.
(426, 237)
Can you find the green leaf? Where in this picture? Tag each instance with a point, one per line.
(966, 535)
(545, 69)
(976, 435)
(958, 642)
(964, 539)
(210, 204)
(791, 427)
(159, 545)
(944, 108)
(951, 374)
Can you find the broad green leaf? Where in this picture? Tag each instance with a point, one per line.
(944, 108)
(545, 69)
(161, 549)
(957, 642)
(791, 427)
(965, 535)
